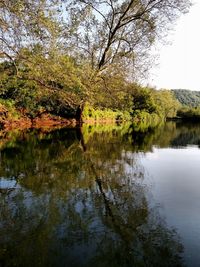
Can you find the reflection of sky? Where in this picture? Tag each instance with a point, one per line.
(7, 183)
(175, 174)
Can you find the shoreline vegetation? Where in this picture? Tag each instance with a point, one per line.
(15, 118)
(12, 118)
(189, 109)
(67, 62)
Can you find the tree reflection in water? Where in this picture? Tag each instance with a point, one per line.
(77, 198)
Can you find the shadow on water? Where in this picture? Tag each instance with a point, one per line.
(77, 197)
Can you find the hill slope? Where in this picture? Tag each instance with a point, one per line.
(187, 97)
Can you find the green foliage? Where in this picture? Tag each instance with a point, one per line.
(8, 109)
(56, 104)
(58, 85)
(52, 64)
(143, 120)
(143, 101)
(189, 113)
(190, 100)
(107, 129)
(159, 103)
(166, 103)
(187, 97)
(52, 85)
(22, 93)
(96, 114)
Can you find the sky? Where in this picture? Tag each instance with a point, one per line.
(179, 63)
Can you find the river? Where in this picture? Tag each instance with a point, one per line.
(101, 196)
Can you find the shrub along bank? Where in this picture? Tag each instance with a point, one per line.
(73, 93)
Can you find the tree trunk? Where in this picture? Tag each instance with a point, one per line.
(79, 113)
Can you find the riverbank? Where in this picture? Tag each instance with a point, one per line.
(45, 121)
(17, 118)
(14, 119)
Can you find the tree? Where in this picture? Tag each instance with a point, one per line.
(118, 32)
(166, 103)
(72, 51)
(29, 43)
(25, 23)
(143, 100)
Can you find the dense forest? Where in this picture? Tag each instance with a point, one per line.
(187, 97)
(190, 104)
(82, 59)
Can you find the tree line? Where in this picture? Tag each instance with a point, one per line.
(189, 104)
(60, 55)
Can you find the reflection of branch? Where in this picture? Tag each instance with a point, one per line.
(118, 224)
(6, 191)
(80, 137)
(106, 201)
(97, 179)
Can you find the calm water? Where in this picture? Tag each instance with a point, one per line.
(101, 196)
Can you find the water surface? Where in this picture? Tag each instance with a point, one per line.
(101, 196)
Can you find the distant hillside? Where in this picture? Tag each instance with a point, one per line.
(187, 97)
